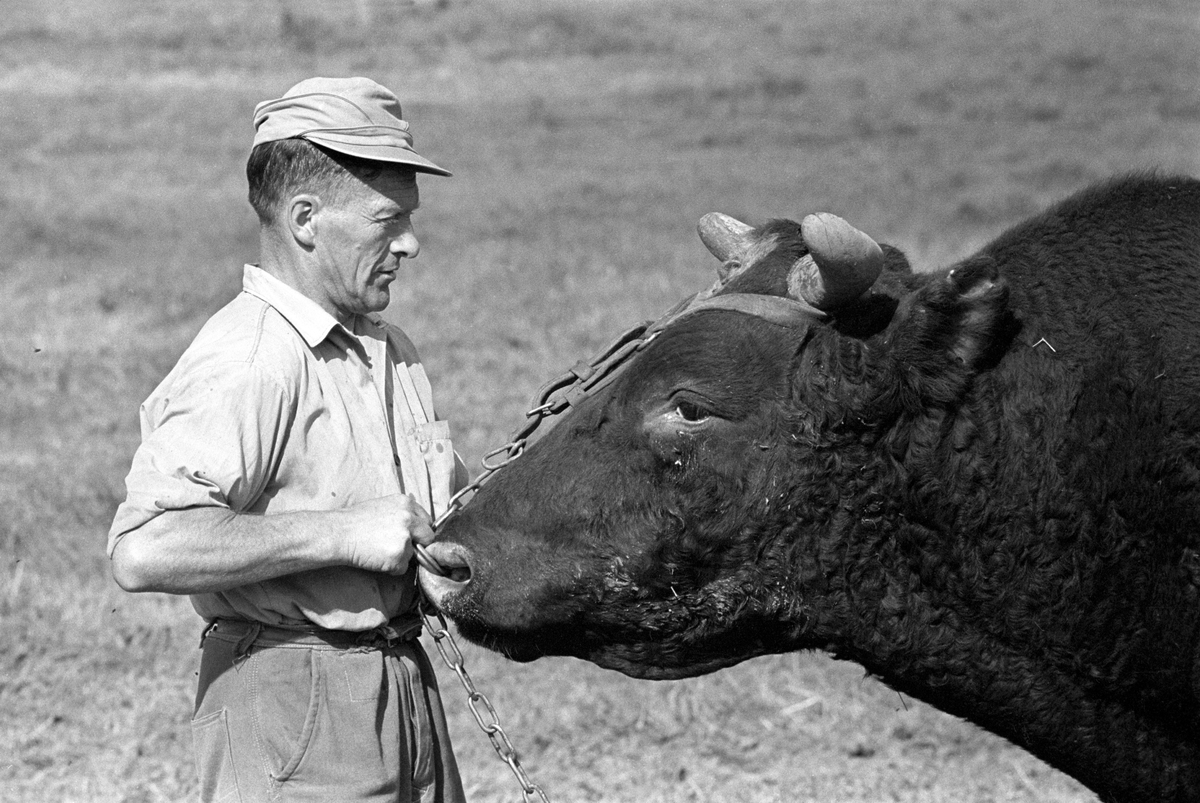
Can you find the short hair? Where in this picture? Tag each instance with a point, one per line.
(278, 170)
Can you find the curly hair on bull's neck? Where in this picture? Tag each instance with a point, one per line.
(280, 169)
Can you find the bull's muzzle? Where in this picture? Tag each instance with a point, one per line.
(455, 562)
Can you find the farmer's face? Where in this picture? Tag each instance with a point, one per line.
(361, 237)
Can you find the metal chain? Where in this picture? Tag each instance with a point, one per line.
(481, 707)
(553, 397)
(570, 387)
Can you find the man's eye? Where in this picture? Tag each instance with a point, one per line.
(690, 411)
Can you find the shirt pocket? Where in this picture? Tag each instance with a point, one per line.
(433, 440)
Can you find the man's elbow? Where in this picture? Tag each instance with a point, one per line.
(131, 565)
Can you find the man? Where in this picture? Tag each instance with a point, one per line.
(290, 461)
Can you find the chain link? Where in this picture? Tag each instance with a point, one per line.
(487, 718)
(569, 387)
(553, 397)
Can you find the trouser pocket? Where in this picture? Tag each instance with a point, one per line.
(287, 705)
(214, 759)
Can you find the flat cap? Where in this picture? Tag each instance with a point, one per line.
(354, 116)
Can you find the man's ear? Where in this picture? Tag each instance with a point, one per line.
(301, 218)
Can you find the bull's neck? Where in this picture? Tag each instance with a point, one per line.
(959, 596)
(932, 654)
(955, 607)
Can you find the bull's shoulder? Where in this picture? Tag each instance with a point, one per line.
(1152, 214)
(1119, 254)
(1136, 195)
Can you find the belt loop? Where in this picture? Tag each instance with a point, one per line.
(397, 632)
(208, 629)
(241, 650)
(389, 636)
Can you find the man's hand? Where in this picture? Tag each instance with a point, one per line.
(209, 549)
(380, 533)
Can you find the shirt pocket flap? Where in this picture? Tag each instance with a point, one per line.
(434, 440)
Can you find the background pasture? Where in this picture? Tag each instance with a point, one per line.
(587, 138)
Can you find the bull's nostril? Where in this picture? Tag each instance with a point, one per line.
(450, 561)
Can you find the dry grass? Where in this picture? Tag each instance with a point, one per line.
(587, 138)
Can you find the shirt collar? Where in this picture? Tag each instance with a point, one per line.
(305, 315)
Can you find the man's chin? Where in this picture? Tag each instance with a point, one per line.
(377, 298)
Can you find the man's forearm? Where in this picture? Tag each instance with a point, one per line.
(202, 550)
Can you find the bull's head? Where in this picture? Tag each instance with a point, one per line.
(707, 506)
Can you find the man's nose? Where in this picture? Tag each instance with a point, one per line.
(405, 246)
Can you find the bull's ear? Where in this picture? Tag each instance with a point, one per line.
(951, 325)
(894, 260)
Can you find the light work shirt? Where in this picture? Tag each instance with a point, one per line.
(277, 407)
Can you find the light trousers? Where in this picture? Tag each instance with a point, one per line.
(287, 716)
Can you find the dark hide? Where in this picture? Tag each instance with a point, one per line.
(982, 484)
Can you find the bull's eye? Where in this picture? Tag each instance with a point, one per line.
(690, 411)
(680, 418)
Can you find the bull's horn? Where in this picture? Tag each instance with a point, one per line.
(724, 236)
(842, 263)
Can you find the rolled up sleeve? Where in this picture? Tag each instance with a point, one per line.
(211, 437)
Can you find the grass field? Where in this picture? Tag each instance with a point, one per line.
(587, 138)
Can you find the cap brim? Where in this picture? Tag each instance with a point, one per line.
(375, 151)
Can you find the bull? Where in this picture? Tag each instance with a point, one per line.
(981, 483)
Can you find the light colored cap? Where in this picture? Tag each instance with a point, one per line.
(354, 116)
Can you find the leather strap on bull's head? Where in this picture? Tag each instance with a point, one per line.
(780, 310)
(828, 243)
(589, 376)
(840, 265)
